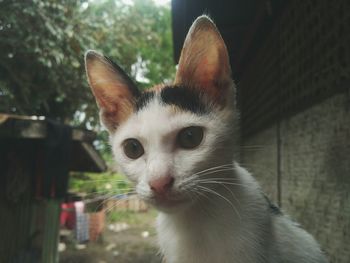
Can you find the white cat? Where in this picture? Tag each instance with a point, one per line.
(177, 144)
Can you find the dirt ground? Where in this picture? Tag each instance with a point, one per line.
(132, 239)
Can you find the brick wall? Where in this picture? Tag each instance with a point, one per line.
(315, 170)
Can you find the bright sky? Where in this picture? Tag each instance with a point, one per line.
(162, 2)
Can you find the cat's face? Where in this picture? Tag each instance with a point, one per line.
(166, 138)
(162, 146)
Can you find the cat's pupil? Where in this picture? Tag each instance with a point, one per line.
(190, 137)
(133, 148)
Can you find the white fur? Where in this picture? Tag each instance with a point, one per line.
(230, 223)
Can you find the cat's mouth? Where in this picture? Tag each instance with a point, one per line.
(167, 201)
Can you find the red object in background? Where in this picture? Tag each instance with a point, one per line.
(67, 218)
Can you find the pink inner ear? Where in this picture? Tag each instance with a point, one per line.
(103, 100)
(204, 62)
(211, 73)
(115, 103)
(111, 88)
(206, 72)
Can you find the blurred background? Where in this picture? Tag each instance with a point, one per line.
(61, 199)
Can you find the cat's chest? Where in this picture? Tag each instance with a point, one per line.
(197, 242)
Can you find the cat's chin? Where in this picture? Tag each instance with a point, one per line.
(168, 205)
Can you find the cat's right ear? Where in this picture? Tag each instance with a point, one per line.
(114, 91)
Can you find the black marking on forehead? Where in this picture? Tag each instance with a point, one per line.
(184, 98)
(144, 99)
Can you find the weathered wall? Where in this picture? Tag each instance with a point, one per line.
(315, 170)
(259, 156)
(294, 95)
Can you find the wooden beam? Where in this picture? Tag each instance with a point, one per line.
(90, 150)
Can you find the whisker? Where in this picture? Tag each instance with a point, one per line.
(219, 178)
(233, 195)
(213, 168)
(106, 180)
(228, 166)
(223, 197)
(113, 206)
(196, 175)
(110, 198)
(191, 181)
(106, 192)
(93, 198)
(222, 183)
(112, 189)
(216, 171)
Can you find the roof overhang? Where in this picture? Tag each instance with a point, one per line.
(85, 157)
(243, 24)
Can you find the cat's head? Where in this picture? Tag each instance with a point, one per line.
(166, 137)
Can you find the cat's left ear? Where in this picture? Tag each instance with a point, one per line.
(114, 91)
(204, 61)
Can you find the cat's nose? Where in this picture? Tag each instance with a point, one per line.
(161, 185)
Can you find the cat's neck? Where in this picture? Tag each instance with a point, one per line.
(213, 219)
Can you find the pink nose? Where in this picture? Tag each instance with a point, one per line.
(162, 185)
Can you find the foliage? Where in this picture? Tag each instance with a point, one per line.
(40, 59)
(99, 184)
(42, 45)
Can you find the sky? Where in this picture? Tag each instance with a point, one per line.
(162, 2)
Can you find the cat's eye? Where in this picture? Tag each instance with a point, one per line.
(133, 148)
(190, 137)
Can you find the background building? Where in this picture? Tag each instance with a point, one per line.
(36, 156)
(291, 64)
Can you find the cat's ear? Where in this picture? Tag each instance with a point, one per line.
(204, 62)
(114, 91)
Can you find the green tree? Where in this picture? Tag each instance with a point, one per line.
(42, 45)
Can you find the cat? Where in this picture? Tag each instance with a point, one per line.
(178, 144)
